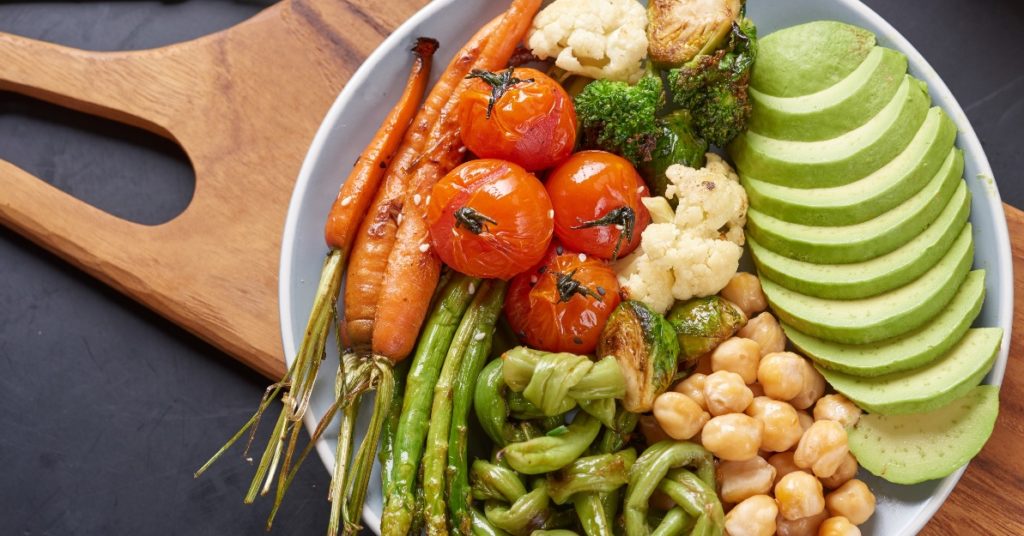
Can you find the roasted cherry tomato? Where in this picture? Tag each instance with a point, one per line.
(596, 196)
(562, 304)
(490, 218)
(521, 115)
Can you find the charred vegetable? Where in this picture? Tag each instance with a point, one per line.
(647, 348)
(679, 30)
(713, 86)
(702, 324)
(624, 119)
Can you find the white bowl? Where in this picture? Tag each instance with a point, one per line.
(355, 115)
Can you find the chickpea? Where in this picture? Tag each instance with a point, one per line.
(742, 480)
(837, 408)
(799, 495)
(734, 436)
(725, 392)
(813, 387)
(737, 355)
(693, 387)
(755, 516)
(745, 291)
(805, 526)
(781, 374)
(651, 430)
(846, 471)
(822, 448)
(678, 415)
(805, 419)
(782, 428)
(853, 500)
(838, 526)
(765, 330)
(783, 464)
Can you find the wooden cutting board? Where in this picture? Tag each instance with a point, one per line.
(244, 104)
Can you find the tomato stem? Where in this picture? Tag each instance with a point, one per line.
(472, 219)
(500, 82)
(568, 286)
(624, 218)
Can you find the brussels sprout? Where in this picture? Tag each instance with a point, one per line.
(647, 349)
(678, 30)
(702, 324)
(678, 144)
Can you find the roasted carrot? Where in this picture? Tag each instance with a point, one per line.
(354, 197)
(376, 235)
(413, 268)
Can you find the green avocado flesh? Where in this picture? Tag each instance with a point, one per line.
(809, 57)
(926, 388)
(873, 276)
(842, 159)
(913, 349)
(907, 449)
(866, 198)
(879, 317)
(866, 240)
(834, 110)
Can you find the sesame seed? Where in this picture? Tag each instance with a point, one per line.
(533, 280)
(551, 213)
(455, 232)
(582, 257)
(428, 199)
(472, 289)
(639, 189)
(346, 201)
(416, 199)
(462, 149)
(424, 247)
(619, 226)
(479, 336)
(398, 219)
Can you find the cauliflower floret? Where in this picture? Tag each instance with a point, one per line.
(603, 39)
(698, 250)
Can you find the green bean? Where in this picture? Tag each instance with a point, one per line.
(399, 503)
(545, 454)
(654, 467)
(553, 532)
(483, 527)
(472, 342)
(492, 409)
(556, 382)
(597, 511)
(528, 513)
(598, 473)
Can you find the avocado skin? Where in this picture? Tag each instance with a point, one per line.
(926, 388)
(873, 276)
(866, 240)
(810, 57)
(879, 317)
(835, 110)
(840, 160)
(908, 449)
(869, 197)
(913, 349)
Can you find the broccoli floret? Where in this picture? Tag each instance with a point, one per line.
(624, 119)
(620, 118)
(713, 87)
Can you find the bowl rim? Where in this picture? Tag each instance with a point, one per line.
(968, 141)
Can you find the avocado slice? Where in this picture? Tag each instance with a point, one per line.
(873, 276)
(926, 388)
(869, 197)
(840, 160)
(835, 110)
(866, 240)
(907, 449)
(879, 317)
(810, 57)
(911, 350)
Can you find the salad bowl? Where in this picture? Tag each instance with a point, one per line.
(351, 121)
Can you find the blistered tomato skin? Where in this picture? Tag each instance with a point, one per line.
(489, 218)
(532, 122)
(598, 211)
(562, 305)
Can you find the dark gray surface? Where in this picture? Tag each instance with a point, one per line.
(107, 409)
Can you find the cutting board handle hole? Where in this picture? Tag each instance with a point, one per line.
(106, 164)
